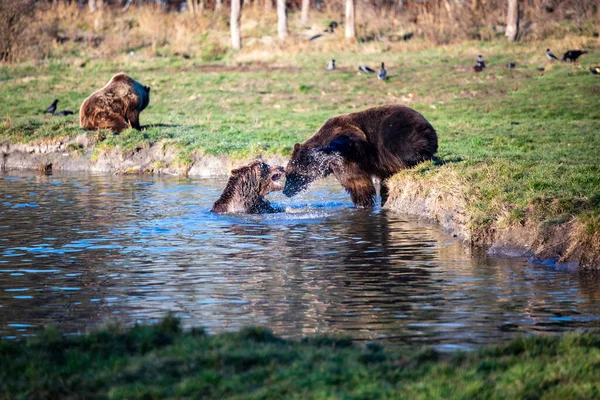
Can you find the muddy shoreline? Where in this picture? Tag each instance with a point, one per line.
(441, 203)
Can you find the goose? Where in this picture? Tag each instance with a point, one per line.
(52, 108)
(382, 73)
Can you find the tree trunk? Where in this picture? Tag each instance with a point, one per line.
(282, 28)
(268, 6)
(236, 32)
(305, 7)
(201, 7)
(92, 5)
(512, 20)
(192, 6)
(350, 20)
(218, 6)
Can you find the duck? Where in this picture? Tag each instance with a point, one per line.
(365, 69)
(382, 73)
(331, 65)
(551, 55)
(52, 108)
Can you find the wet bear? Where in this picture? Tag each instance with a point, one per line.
(357, 147)
(116, 106)
(247, 187)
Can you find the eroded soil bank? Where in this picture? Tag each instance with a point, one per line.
(445, 199)
(81, 153)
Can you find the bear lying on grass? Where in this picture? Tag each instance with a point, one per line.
(116, 106)
(247, 187)
(357, 147)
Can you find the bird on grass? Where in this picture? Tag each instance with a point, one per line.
(364, 69)
(595, 70)
(541, 69)
(64, 113)
(52, 108)
(551, 55)
(511, 65)
(573, 55)
(331, 65)
(480, 61)
(382, 73)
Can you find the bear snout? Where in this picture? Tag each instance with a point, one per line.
(294, 184)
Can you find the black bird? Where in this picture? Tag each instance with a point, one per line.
(318, 35)
(331, 65)
(477, 68)
(365, 69)
(551, 55)
(573, 55)
(480, 61)
(52, 108)
(64, 113)
(541, 69)
(511, 65)
(331, 27)
(595, 70)
(382, 73)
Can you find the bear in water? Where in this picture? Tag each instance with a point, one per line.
(357, 147)
(247, 187)
(116, 106)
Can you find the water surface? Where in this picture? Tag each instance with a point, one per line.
(80, 250)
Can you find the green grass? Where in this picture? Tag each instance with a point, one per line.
(161, 362)
(526, 144)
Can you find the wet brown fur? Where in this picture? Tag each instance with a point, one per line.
(246, 189)
(357, 147)
(117, 106)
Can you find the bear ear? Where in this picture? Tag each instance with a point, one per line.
(147, 89)
(342, 145)
(296, 148)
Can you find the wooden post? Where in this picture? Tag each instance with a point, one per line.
(236, 32)
(512, 20)
(282, 28)
(350, 20)
(305, 8)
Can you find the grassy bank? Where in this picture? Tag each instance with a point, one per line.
(163, 362)
(520, 147)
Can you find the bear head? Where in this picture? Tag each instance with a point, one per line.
(309, 163)
(258, 178)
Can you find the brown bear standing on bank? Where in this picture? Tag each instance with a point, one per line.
(247, 187)
(357, 147)
(116, 106)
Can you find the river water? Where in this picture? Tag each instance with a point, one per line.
(79, 251)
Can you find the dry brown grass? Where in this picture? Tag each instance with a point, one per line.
(69, 30)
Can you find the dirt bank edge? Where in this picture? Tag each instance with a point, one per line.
(82, 154)
(443, 197)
